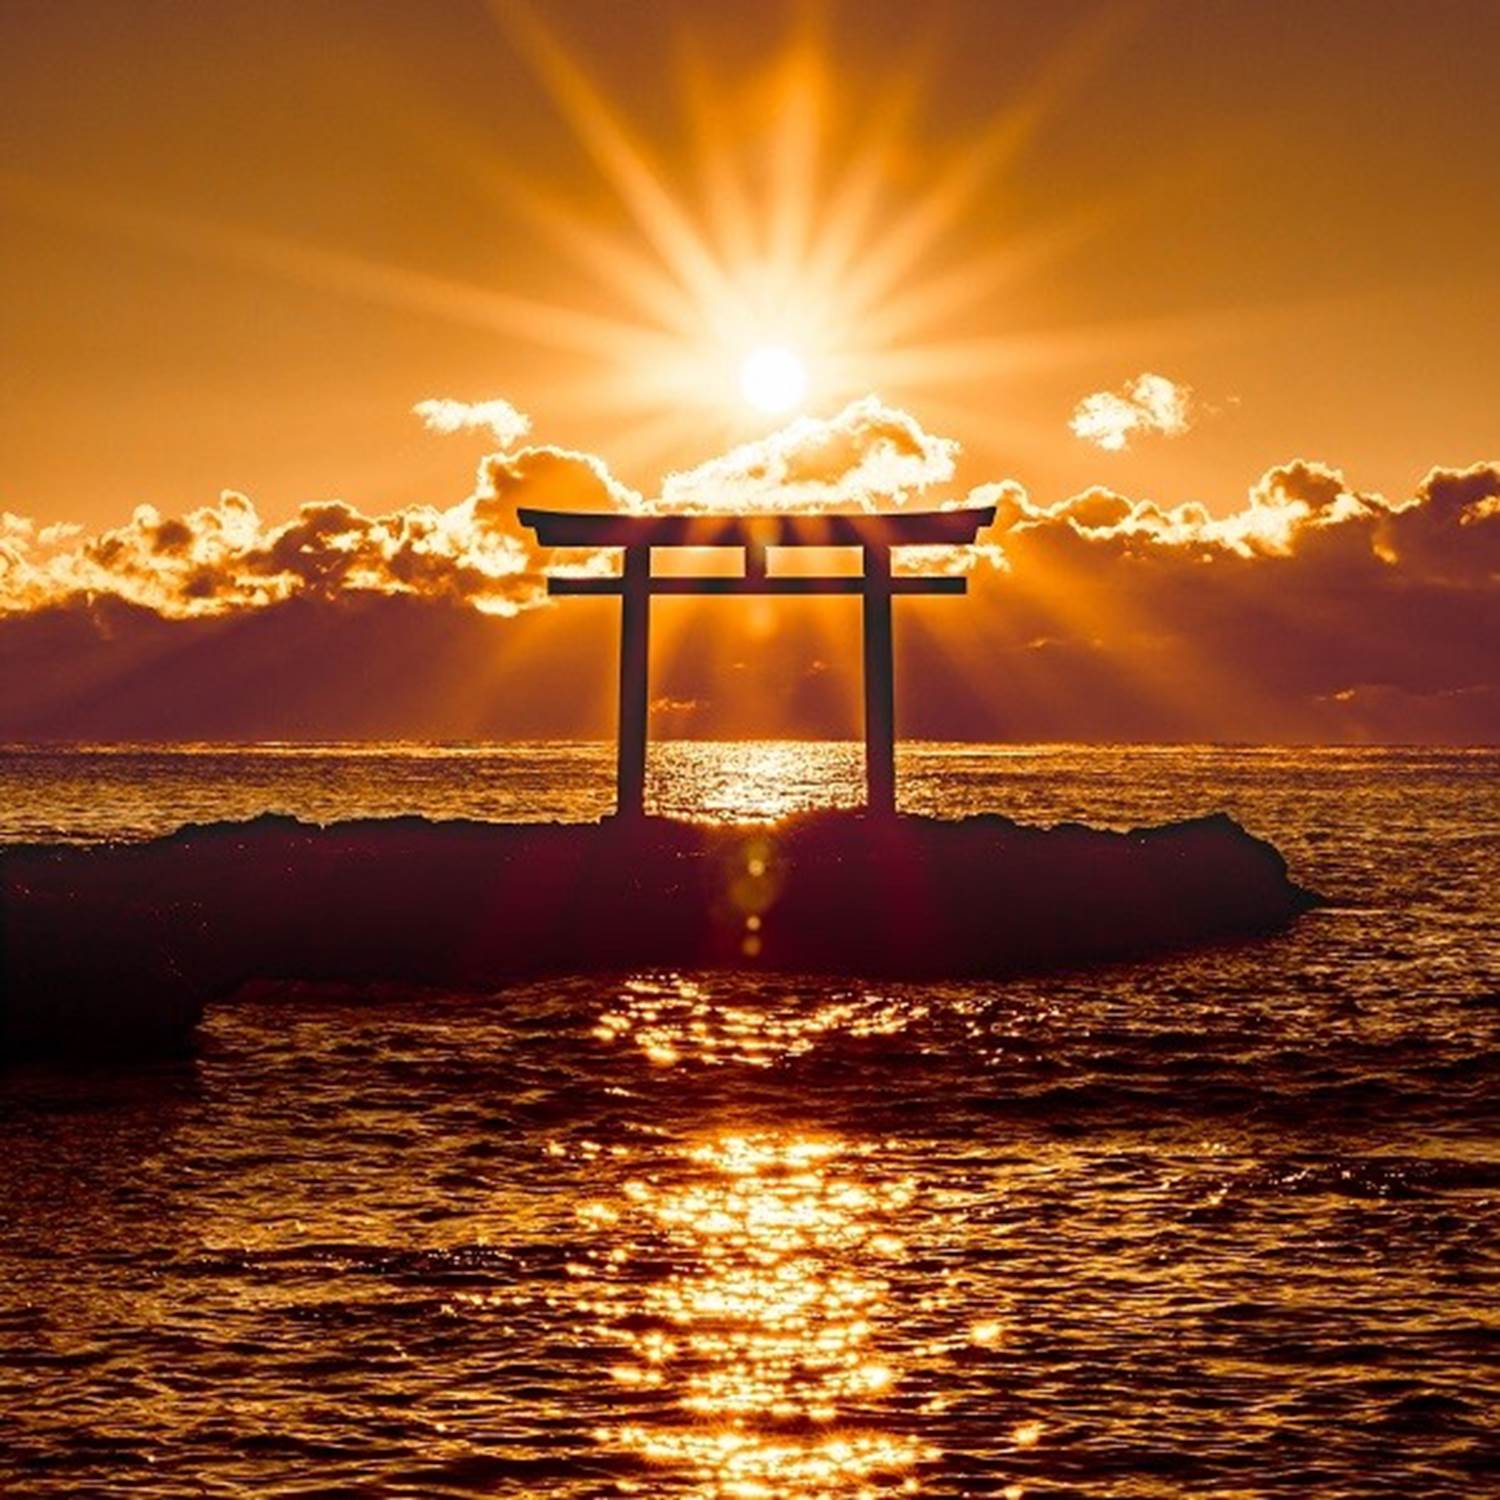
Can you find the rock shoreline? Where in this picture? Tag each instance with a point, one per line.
(117, 949)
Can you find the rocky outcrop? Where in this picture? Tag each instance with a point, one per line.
(117, 949)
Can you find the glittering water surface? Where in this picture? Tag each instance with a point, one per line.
(1222, 1225)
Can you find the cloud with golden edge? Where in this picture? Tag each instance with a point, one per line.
(224, 557)
(496, 417)
(1100, 570)
(869, 456)
(1146, 405)
(1447, 532)
(1311, 609)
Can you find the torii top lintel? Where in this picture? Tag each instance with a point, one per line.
(564, 528)
(875, 534)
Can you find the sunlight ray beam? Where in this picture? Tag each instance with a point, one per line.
(915, 232)
(727, 202)
(799, 108)
(625, 164)
(853, 200)
(548, 324)
(927, 302)
(946, 362)
(649, 287)
(650, 291)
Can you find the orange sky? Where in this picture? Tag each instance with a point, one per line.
(241, 241)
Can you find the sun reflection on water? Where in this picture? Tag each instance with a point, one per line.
(673, 1019)
(748, 1287)
(752, 781)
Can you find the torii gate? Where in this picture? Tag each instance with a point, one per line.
(875, 535)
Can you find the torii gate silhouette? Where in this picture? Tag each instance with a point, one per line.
(874, 534)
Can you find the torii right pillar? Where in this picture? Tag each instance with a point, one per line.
(880, 683)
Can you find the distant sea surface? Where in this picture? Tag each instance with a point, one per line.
(1223, 1225)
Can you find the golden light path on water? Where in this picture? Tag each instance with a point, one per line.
(752, 780)
(765, 1328)
(764, 1334)
(668, 1021)
(747, 1277)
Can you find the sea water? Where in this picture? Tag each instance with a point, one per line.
(1226, 1224)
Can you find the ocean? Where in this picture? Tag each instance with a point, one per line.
(1225, 1224)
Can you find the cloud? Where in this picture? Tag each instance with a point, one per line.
(1447, 532)
(551, 479)
(1308, 608)
(224, 558)
(1313, 610)
(869, 455)
(1148, 404)
(498, 418)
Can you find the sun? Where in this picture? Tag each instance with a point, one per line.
(773, 379)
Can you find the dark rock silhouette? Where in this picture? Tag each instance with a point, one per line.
(117, 949)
